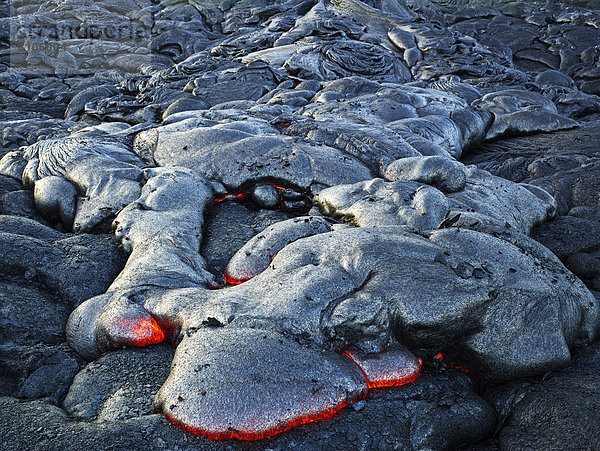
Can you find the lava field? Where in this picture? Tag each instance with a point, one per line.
(299, 224)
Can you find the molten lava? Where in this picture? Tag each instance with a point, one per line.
(232, 281)
(240, 197)
(282, 124)
(245, 196)
(392, 367)
(440, 357)
(140, 332)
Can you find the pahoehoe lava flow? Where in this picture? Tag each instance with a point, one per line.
(309, 224)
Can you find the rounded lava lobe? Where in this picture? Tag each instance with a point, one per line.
(266, 196)
(239, 279)
(446, 174)
(392, 367)
(108, 322)
(252, 384)
(55, 198)
(256, 255)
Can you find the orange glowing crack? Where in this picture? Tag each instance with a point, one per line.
(233, 281)
(276, 186)
(282, 124)
(280, 188)
(440, 357)
(240, 197)
(243, 197)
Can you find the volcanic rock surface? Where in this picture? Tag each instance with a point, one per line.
(308, 224)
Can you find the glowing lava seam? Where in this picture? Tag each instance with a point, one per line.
(440, 356)
(242, 435)
(389, 368)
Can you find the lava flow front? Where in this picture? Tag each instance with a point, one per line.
(392, 367)
(258, 432)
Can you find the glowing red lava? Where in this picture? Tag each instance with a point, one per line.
(266, 433)
(440, 356)
(243, 197)
(282, 124)
(277, 186)
(140, 332)
(231, 281)
(389, 368)
(240, 197)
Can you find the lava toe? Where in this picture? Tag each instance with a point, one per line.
(250, 384)
(391, 367)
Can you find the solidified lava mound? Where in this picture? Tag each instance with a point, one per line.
(299, 224)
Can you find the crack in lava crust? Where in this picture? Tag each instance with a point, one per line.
(441, 357)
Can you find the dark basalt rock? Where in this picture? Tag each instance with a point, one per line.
(22, 131)
(554, 412)
(463, 417)
(184, 104)
(482, 199)
(120, 385)
(520, 112)
(517, 154)
(106, 174)
(241, 153)
(20, 203)
(554, 78)
(22, 308)
(35, 360)
(52, 376)
(77, 104)
(586, 267)
(38, 370)
(568, 235)
(76, 267)
(573, 187)
(8, 184)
